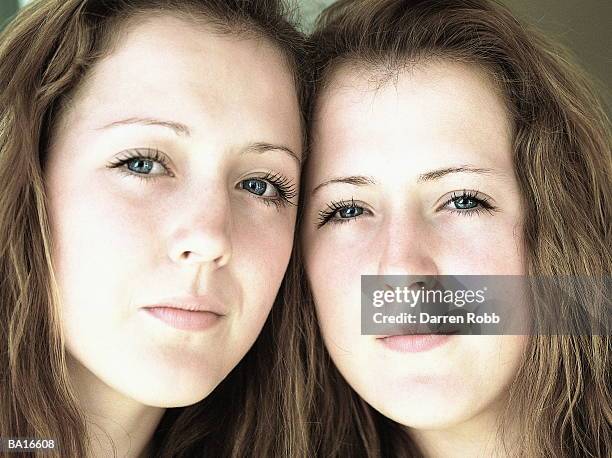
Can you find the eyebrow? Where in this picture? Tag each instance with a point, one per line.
(355, 180)
(176, 127)
(182, 129)
(263, 147)
(361, 180)
(439, 173)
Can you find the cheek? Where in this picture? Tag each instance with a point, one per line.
(261, 245)
(336, 257)
(99, 237)
(334, 274)
(103, 247)
(483, 245)
(493, 364)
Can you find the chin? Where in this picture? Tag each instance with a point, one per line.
(153, 382)
(171, 392)
(427, 412)
(426, 419)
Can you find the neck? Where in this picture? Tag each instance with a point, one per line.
(477, 437)
(116, 425)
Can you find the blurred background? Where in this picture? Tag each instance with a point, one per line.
(584, 26)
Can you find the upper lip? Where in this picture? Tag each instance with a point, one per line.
(426, 333)
(417, 330)
(205, 303)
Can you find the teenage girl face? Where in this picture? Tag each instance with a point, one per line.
(172, 180)
(413, 177)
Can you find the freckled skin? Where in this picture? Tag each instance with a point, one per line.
(122, 241)
(434, 116)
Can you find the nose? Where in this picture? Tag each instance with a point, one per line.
(408, 248)
(202, 233)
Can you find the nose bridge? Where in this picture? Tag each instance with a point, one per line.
(407, 249)
(202, 226)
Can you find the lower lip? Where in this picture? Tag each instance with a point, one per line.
(185, 320)
(415, 343)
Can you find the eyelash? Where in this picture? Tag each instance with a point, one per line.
(286, 190)
(286, 187)
(141, 153)
(334, 207)
(483, 204)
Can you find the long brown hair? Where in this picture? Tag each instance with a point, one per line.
(45, 52)
(563, 163)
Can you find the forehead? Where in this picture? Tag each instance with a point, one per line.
(173, 68)
(425, 114)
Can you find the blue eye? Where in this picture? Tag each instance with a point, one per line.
(350, 212)
(271, 189)
(465, 202)
(340, 212)
(255, 186)
(143, 163)
(468, 203)
(140, 165)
